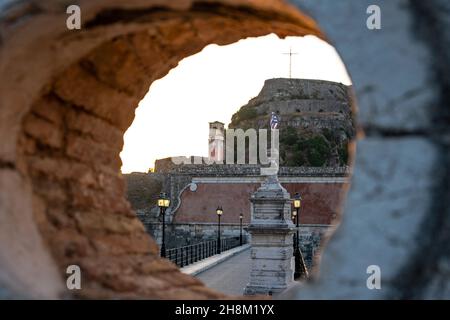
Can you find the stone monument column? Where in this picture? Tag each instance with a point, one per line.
(271, 230)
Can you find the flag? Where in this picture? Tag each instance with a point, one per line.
(274, 120)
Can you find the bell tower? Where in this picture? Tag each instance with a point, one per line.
(216, 141)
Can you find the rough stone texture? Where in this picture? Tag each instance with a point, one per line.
(401, 80)
(386, 99)
(390, 198)
(316, 120)
(27, 260)
(397, 214)
(322, 205)
(143, 190)
(67, 97)
(324, 190)
(242, 170)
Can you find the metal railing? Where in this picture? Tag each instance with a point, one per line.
(186, 255)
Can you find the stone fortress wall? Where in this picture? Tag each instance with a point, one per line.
(197, 189)
(284, 95)
(175, 180)
(403, 111)
(316, 120)
(167, 166)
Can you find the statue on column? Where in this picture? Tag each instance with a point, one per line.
(271, 230)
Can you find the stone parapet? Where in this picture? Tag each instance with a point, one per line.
(224, 170)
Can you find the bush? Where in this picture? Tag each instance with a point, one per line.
(315, 158)
(328, 134)
(289, 136)
(318, 151)
(244, 114)
(298, 159)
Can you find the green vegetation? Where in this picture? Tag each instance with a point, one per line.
(288, 136)
(299, 146)
(318, 150)
(298, 159)
(343, 154)
(305, 149)
(244, 114)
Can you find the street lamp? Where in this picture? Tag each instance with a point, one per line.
(163, 204)
(219, 212)
(240, 233)
(294, 215)
(300, 267)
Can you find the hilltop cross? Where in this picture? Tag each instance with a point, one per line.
(290, 53)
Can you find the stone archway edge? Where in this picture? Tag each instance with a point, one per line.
(62, 76)
(398, 204)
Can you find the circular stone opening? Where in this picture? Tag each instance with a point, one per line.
(197, 105)
(65, 123)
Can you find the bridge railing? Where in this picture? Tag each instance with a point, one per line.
(186, 255)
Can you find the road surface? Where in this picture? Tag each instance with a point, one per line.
(230, 276)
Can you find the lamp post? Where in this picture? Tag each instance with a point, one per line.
(219, 212)
(163, 204)
(240, 231)
(300, 267)
(294, 216)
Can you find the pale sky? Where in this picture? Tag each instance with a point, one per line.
(172, 119)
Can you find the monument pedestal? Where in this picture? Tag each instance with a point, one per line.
(271, 230)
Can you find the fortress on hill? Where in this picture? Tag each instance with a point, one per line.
(316, 129)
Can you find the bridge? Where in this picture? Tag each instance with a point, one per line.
(229, 276)
(227, 271)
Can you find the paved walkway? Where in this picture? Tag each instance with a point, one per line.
(230, 276)
(205, 264)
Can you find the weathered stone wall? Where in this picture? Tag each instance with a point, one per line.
(143, 189)
(302, 95)
(182, 234)
(323, 189)
(397, 213)
(312, 238)
(398, 205)
(222, 170)
(67, 97)
(316, 120)
(322, 202)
